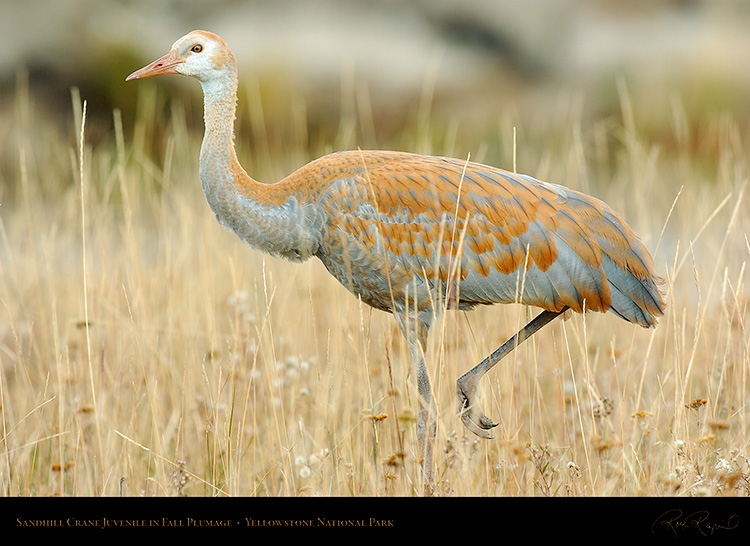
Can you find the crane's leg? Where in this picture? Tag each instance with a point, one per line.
(415, 332)
(466, 385)
(426, 424)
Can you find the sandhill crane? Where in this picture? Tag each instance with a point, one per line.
(413, 235)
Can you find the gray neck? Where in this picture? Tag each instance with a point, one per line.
(240, 203)
(217, 150)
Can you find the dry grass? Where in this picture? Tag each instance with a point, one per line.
(146, 352)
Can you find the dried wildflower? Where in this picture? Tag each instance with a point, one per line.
(722, 465)
(240, 302)
(395, 460)
(678, 473)
(301, 462)
(603, 408)
(450, 448)
(718, 425)
(574, 470)
(696, 404)
(238, 299)
(541, 459)
(179, 478)
(289, 370)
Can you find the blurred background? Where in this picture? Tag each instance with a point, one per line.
(472, 59)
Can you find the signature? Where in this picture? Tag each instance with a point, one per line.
(699, 521)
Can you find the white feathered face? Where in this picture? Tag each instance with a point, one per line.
(199, 54)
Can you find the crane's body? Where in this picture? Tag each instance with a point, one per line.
(412, 234)
(388, 223)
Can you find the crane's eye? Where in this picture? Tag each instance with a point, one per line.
(197, 48)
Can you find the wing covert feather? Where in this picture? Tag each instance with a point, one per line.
(427, 220)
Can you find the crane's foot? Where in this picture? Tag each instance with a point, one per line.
(473, 419)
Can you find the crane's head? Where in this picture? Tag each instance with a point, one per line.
(200, 54)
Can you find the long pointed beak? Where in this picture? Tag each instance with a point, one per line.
(162, 65)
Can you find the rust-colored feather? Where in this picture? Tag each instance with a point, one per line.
(502, 232)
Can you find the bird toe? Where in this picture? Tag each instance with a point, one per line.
(481, 428)
(473, 419)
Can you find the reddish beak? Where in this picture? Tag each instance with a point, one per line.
(162, 65)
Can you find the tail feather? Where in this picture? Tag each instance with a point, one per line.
(635, 299)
